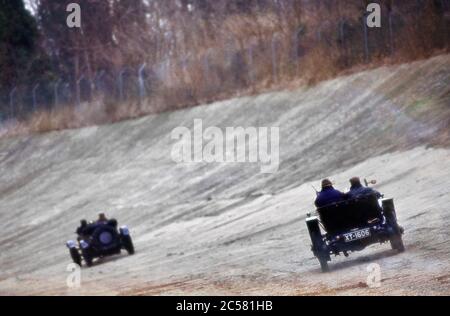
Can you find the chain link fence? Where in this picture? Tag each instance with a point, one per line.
(222, 70)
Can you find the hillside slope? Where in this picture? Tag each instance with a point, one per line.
(228, 228)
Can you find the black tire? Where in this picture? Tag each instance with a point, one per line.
(319, 247)
(391, 215)
(396, 240)
(397, 243)
(75, 254)
(323, 264)
(87, 258)
(127, 243)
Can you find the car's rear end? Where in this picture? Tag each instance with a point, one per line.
(353, 225)
(103, 240)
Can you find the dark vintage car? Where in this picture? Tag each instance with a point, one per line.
(97, 240)
(352, 225)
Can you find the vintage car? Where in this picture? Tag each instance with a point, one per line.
(99, 239)
(352, 225)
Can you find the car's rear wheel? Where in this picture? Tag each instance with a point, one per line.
(75, 254)
(87, 258)
(319, 246)
(391, 217)
(128, 244)
(397, 243)
(323, 264)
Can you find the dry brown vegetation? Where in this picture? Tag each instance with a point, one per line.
(216, 52)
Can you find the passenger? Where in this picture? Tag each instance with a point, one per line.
(82, 228)
(357, 189)
(328, 195)
(86, 229)
(102, 219)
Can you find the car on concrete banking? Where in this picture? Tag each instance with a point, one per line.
(98, 240)
(352, 225)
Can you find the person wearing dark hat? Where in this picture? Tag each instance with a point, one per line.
(328, 195)
(357, 189)
(102, 219)
(83, 226)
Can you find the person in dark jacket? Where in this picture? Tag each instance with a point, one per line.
(357, 189)
(86, 228)
(81, 231)
(328, 195)
(102, 219)
(83, 225)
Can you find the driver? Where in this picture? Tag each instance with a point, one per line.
(86, 228)
(357, 189)
(102, 219)
(82, 229)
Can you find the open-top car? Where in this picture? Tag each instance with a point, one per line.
(352, 225)
(99, 239)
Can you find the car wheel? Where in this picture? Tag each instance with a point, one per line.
(87, 258)
(397, 243)
(391, 216)
(128, 244)
(76, 258)
(324, 264)
(318, 245)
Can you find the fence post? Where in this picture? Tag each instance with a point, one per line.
(168, 72)
(391, 33)
(36, 86)
(366, 38)
(184, 66)
(319, 34)
(67, 91)
(274, 57)
(251, 75)
(296, 49)
(11, 102)
(205, 62)
(141, 82)
(120, 81)
(345, 54)
(98, 76)
(55, 93)
(445, 6)
(79, 90)
(342, 24)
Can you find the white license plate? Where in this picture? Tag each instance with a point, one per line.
(360, 234)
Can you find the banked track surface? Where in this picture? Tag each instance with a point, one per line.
(227, 228)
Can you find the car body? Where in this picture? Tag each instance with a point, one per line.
(352, 225)
(100, 239)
